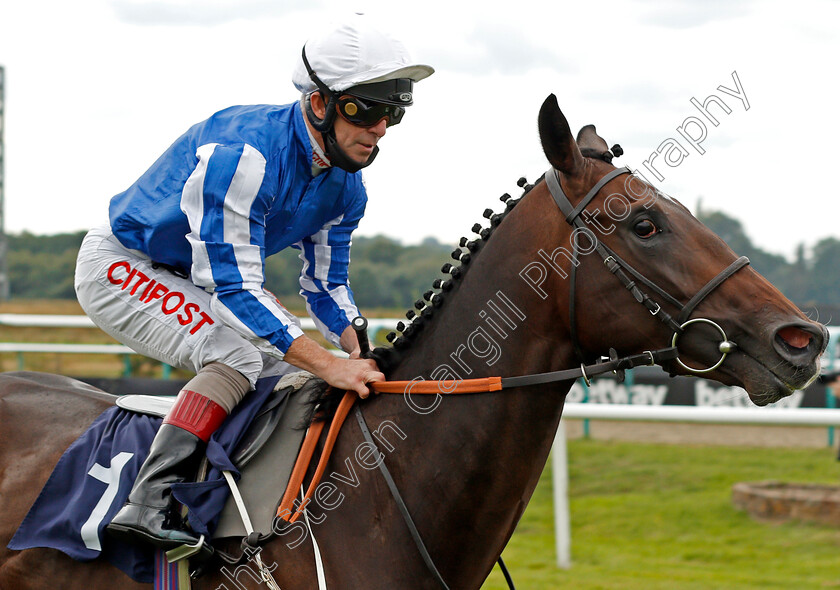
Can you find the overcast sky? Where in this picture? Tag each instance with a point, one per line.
(97, 89)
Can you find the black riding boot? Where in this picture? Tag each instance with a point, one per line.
(176, 452)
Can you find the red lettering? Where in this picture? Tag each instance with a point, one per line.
(147, 289)
(141, 278)
(170, 296)
(187, 317)
(157, 292)
(205, 319)
(171, 301)
(128, 279)
(115, 266)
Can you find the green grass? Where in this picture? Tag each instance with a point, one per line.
(644, 516)
(648, 516)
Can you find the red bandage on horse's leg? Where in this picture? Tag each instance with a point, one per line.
(196, 413)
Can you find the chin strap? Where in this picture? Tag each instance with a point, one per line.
(322, 125)
(326, 128)
(339, 158)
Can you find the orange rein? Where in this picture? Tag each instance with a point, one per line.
(448, 387)
(287, 510)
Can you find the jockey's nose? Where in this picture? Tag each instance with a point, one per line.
(380, 127)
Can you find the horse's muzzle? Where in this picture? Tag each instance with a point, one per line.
(800, 343)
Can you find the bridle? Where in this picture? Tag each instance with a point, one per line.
(631, 278)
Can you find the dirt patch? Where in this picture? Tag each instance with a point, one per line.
(776, 501)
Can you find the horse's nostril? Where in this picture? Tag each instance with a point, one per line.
(795, 338)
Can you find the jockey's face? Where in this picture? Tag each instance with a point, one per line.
(356, 142)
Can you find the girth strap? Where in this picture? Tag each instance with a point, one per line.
(415, 534)
(412, 528)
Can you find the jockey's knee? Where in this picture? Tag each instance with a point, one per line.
(220, 383)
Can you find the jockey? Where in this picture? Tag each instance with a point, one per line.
(178, 273)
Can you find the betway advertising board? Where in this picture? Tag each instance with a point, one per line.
(652, 386)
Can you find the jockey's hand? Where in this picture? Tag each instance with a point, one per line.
(351, 374)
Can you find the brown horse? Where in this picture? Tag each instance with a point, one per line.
(466, 465)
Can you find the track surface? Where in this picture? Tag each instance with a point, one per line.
(704, 434)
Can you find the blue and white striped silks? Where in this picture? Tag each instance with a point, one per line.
(235, 189)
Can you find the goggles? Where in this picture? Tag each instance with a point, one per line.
(367, 113)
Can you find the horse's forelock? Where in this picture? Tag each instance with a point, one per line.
(588, 138)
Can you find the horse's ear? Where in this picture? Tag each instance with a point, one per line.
(556, 137)
(588, 138)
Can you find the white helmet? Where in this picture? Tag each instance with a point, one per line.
(354, 52)
(356, 59)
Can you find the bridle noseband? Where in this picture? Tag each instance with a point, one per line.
(631, 278)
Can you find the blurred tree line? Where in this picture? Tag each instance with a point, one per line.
(386, 274)
(383, 272)
(811, 280)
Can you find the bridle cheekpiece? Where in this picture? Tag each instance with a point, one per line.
(631, 278)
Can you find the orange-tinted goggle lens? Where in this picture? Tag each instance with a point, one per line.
(367, 113)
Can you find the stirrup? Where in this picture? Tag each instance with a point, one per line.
(186, 551)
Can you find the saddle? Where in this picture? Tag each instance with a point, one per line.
(267, 453)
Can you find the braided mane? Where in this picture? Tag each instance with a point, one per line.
(424, 309)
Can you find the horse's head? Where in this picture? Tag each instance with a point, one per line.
(719, 307)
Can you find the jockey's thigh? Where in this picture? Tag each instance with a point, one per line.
(159, 314)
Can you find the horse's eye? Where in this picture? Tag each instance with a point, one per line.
(645, 228)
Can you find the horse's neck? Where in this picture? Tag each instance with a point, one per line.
(492, 324)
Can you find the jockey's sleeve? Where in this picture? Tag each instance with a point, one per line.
(324, 279)
(226, 212)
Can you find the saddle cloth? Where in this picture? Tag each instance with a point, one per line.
(266, 455)
(93, 478)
